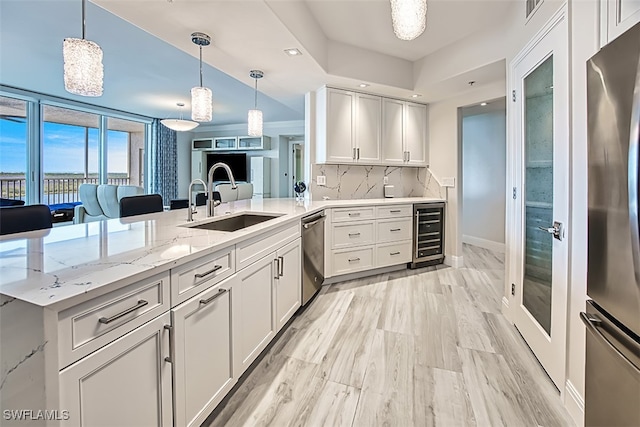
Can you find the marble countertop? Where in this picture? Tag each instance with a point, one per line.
(63, 266)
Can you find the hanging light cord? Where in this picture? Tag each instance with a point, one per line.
(255, 101)
(200, 65)
(83, 21)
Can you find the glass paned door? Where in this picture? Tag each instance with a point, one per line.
(538, 186)
(125, 140)
(13, 149)
(539, 157)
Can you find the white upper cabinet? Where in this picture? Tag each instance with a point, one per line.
(338, 142)
(393, 151)
(616, 17)
(348, 127)
(415, 134)
(358, 128)
(368, 128)
(404, 133)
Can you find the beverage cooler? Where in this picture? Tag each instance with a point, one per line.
(428, 234)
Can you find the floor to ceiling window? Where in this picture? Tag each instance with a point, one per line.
(13, 148)
(48, 148)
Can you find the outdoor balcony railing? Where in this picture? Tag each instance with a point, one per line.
(56, 190)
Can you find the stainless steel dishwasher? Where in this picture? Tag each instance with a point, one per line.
(312, 255)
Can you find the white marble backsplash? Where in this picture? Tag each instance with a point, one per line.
(366, 182)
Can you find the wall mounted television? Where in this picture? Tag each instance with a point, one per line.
(236, 161)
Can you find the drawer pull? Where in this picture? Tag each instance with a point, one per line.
(396, 229)
(280, 266)
(354, 214)
(219, 294)
(206, 273)
(395, 211)
(394, 253)
(354, 259)
(107, 320)
(354, 234)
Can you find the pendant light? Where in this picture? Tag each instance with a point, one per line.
(179, 125)
(83, 69)
(409, 18)
(255, 116)
(201, 97)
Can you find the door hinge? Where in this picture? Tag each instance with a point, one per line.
(513, 95)
(515, 192)
(513, 289)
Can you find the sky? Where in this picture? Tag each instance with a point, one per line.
(63, 150)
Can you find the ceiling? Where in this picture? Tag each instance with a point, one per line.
(151, 63)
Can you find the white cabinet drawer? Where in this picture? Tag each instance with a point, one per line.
(86, 327)
(394, 211)
(393, 253)
(352, 260)
(352, 214)
(394, 230)
(353, 234)
(252, 250)
(196, 276)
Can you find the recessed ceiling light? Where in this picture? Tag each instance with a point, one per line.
(363, 85)
(483, 104)
(416, 95)
(292, 52)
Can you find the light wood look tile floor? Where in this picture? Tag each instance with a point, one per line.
(411, 348)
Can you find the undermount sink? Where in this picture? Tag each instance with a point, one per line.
(235, 223)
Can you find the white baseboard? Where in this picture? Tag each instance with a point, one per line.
(574, 403)
(454, 261)
(484, 243)
(505, 304)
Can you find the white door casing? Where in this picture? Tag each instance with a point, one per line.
(550, 42)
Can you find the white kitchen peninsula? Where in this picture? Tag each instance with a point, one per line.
(107, 314)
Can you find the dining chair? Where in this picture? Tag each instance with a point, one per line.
(140, 205)
(17, 219)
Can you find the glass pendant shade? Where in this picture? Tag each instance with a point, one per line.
(179, 125)
(409, 18)
(255, 123)
(201, 104)
(83, 69)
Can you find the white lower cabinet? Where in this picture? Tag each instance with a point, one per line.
(288, 285)
(125, 383)
(202, 352)
(252, 306)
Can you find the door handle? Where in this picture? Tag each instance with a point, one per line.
(557, 230)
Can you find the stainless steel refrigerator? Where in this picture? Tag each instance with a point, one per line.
(612, 317)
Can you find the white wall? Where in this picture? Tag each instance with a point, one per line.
(584, 24)
(445, 159)
(484, 179)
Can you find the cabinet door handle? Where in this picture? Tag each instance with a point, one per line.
(221, 292)
(394, 253)
(354, 234)
(354, 213)
(408, 156)
(169, 328)
(277, 268)
(281, 266)
(206, 273)
(354, 154)
(354, 259)
(107, 320)
(358, 153)
(396, 229)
